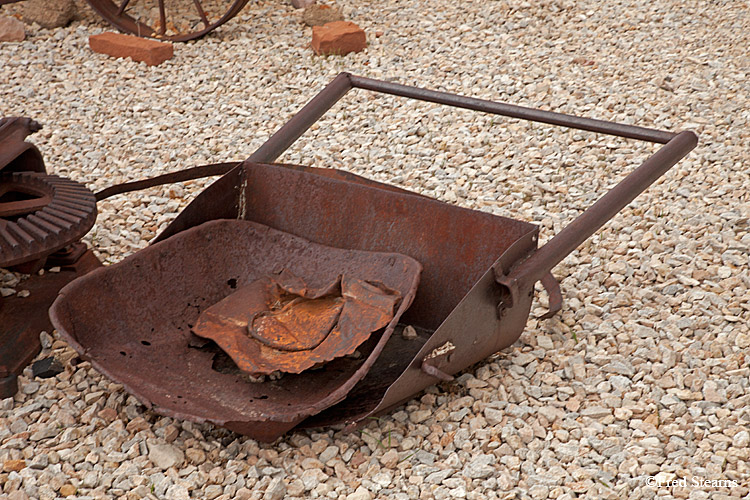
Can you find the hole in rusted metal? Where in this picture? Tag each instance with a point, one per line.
(232, 282)
(145, 342)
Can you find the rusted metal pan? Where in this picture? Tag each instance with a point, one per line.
(133, 320)
(475, 293)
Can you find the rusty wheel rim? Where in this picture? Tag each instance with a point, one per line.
(175, 20)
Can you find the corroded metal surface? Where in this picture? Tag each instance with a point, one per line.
(476, 288)
(40, 217)
(114, 310)
(17, 155)
(21, 319)
(111, 317)
(280, 323)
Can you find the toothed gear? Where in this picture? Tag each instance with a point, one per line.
(50, 213)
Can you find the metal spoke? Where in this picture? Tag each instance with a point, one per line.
(142, 20)
(121, 9)
(162, 18)
(201, 12)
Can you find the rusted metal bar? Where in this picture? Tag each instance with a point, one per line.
(162, 18)
(122, 7)
(201, 12)
(524, 113)
(303, 120)
(170, 178)
(330, 95)
(543, 260)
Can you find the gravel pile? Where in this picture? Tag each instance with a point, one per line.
(642, 378)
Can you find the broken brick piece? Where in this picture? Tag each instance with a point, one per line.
(152, 52)
(339, 37)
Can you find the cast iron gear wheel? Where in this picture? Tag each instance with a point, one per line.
(40, 214)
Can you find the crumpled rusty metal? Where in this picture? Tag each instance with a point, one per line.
(133, 321)
(281, 323)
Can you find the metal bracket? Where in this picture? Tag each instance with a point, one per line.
(436, 357)
(509, 289)
(552, 287)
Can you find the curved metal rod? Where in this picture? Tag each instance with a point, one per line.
(521, 279)
(122, 7)
(170, 178)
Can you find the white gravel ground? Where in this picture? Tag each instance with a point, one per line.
(642, 378)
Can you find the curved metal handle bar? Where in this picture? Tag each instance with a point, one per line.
(522, 277)
(344, 82)
(178, 176)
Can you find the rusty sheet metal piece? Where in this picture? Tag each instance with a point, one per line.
(111, 318)
(280, 323)
(17, 155)
(21, 319)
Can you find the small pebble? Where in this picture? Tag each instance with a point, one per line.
(409, 333)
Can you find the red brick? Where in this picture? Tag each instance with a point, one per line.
(152, 52)
(339, 37)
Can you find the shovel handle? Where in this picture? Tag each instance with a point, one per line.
(522, 277)
(344, 82)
